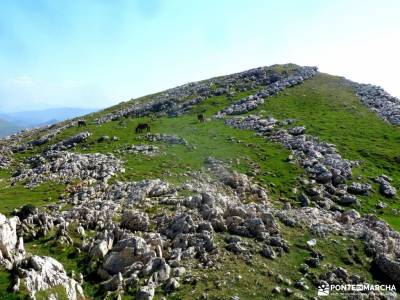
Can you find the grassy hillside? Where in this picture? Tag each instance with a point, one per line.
(326, 105)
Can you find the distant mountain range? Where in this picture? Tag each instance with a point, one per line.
(11, 123)
(7, 128)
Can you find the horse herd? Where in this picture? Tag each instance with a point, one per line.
(144, 127)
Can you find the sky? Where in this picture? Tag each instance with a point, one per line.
(96, 53)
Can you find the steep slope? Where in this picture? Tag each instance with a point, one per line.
(279, 191)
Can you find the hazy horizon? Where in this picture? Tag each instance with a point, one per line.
(98, 53)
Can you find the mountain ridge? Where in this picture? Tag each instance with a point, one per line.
(285, 186)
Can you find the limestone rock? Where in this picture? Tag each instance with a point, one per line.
(42, 272)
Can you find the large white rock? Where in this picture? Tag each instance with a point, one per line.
(100, 250)
(125, 253)
(43, 272)
(8, 236)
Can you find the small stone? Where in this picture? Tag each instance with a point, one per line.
(311, 243)
(276, 290)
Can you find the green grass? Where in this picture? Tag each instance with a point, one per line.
(57, 291)
(207, 139)
(12, 197)
(326, 105)
(5, 282)
(65, 254)
(329, 108)
(255, 283)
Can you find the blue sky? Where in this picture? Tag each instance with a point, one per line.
(95, 53)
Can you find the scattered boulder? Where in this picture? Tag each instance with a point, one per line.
(304, 201)
(172, 285)
(125, 253)
(359, 188)
(268, 252)
(347, 200)
(297, 130)
(311, 243)
(99, 250)
(145, 293)
(385, 187)
(144, 149)
(159, 270)
(71, 142)
(165, 138)
(135, 220)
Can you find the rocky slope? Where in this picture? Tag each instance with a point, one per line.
(289, 184)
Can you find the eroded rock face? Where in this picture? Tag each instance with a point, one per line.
(42, 272)
(126, 253)
(8, 237)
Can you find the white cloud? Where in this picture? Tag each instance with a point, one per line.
(23, 80)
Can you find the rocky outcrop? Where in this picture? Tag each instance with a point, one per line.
(40, 273)
(377, 235)
(321, 160)
(165, 138)
(387, 268)
(357, 188)
(128, 192)
(135, 220)
(9, 245)
(128, 255)
(66, 166)
(49, 133)
(5, 157)
(143, 149)
(385, 187)
(279, 83)
(380, 101)
(71, 142)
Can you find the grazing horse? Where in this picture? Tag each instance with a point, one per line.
(142, 127)
(82, 123)
(201, 118)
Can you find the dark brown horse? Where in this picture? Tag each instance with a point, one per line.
(142, 127)
(201, 118)
(82, 123)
